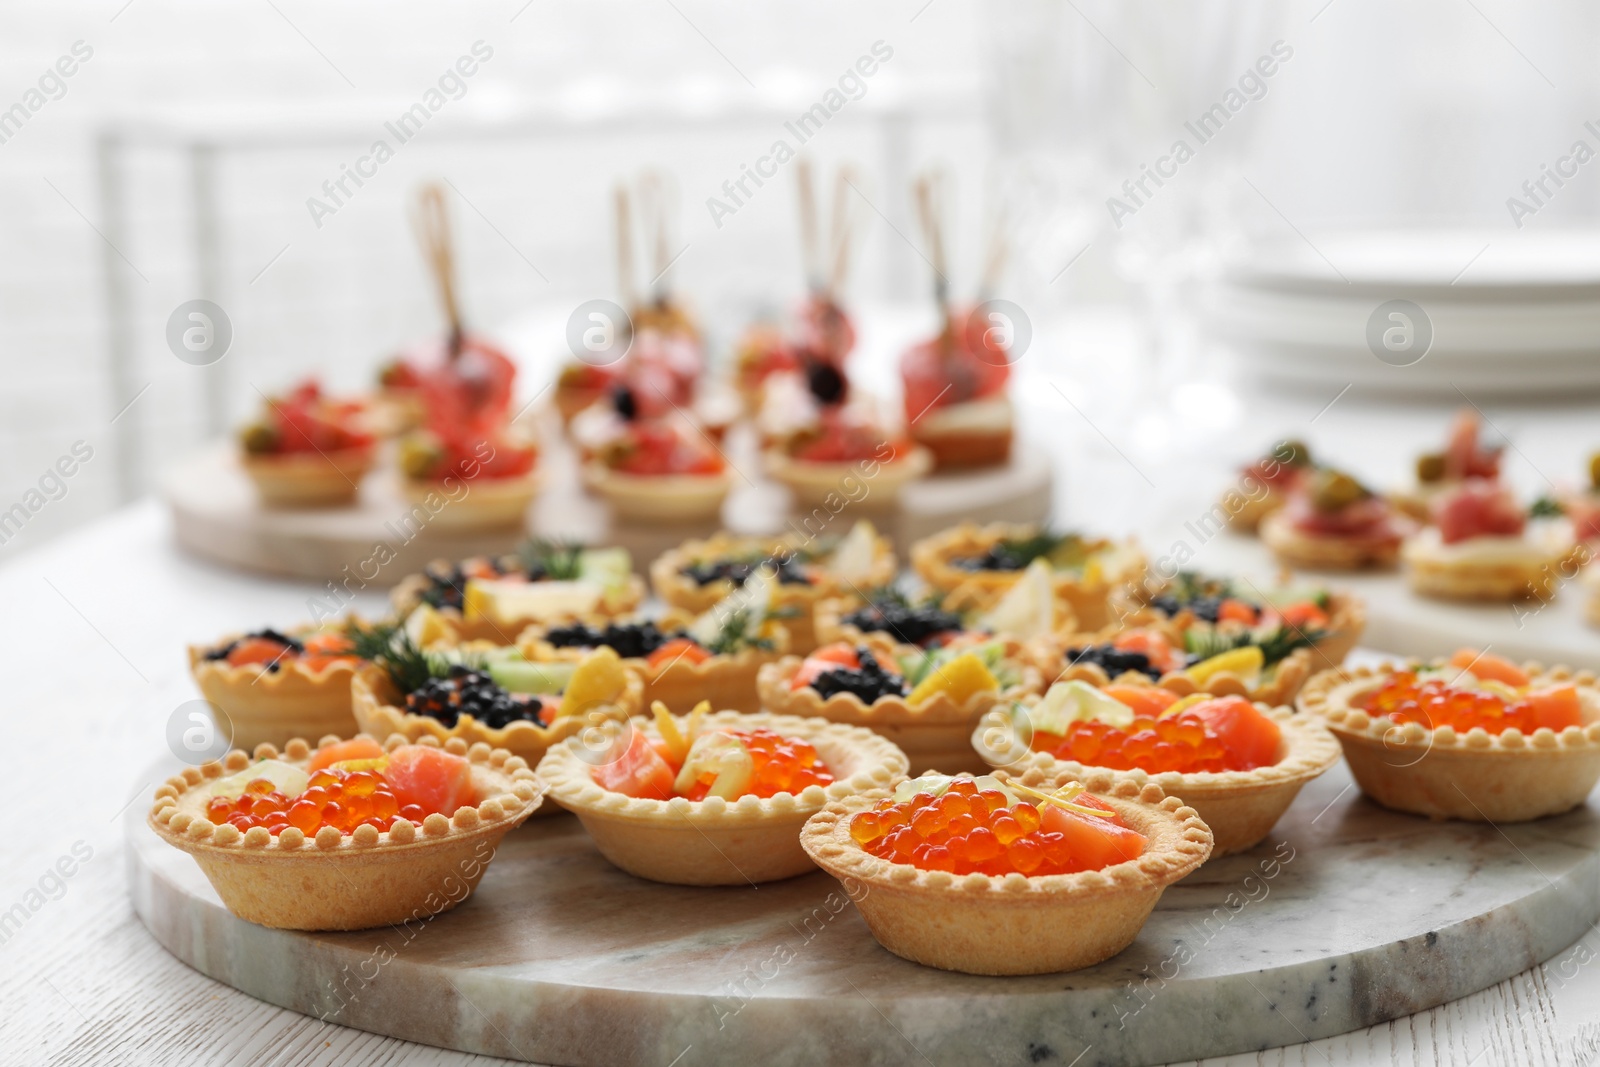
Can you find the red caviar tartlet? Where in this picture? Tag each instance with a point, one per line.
(1012, 875)
(1477, 738)
(714, 799)
(349, 835)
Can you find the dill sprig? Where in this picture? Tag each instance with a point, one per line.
(555, 559)
(1275, 645)
(392, 649)
(737, 633)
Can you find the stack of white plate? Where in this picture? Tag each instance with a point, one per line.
(1421, 312)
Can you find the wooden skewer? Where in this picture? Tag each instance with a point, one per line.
(929, 193)
(654, 220)
(431, 220)
(844, 226)
(624, 249)
(999, 251)
(808, 225)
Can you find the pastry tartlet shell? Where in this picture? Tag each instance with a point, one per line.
(671, 585)
(1240, 807)
(309, 479)
(935, 735)
(715, 841)
(1280, 687)
(274, 706)
(979, 924)
(1090, 599)
(490, 503)
(350, 881)
(1476, 776)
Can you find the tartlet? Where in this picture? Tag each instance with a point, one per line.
(308, 450)
(308, 479)
(1445, 774)
(1482, 547)
(727, 680)
(379, 710)
(660, 497)
(352, 881)
(604, 587)
(277, 700)
(1225, 674)
(1014, 924)
(804, 575)
(1098, 567)
(715, 841)
(488, 502)
(1266, 484)
(1192, 602)
(935, 733)
(1240, 807)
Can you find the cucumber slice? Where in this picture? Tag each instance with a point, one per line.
(609, 567)
(520, 676)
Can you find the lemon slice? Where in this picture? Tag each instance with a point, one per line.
(960, 678)
(1185, 702)
(510, 602)
(852, 560)
(1245, 662)
(599, 679)
(1028, 608)
(425, 626)
(1077, 701)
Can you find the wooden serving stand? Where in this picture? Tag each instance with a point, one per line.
(217, 515)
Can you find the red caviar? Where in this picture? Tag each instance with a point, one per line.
(1224, 734)
(967, 831)
(1434, 702)
(778, 764)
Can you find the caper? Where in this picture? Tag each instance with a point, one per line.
(1293, 453)
(420, 455)
(259, 438)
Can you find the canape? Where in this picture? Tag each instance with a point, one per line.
(698, 573)
(1441, 473)
(1086, 570)
(1478, 738)
(955, 394)
(1482, 547)
(494, 597)
(1266, 484)
(925, 701)
(479, 693)
(307, 450)
(682, 659)
(349, 835)
(468, 482)
(1208, 610)
(1240, 764)
(1333, 522)
(273, 686)
(837, 449)
(1110, 849)
(656, 469)
(398, 405)
(715, 799)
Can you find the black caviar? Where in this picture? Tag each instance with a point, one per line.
(908, 624)
(447, 582)
(465, 691)
(1114, 661)
(630, 640)
(868, 681)
(785, 568)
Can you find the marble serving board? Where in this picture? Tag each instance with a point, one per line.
(1346, 916)
(1405, 624)
(216, 514)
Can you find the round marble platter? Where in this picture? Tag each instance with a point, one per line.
(216, 514)
(1346, 916)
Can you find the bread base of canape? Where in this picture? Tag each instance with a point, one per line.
(1476, 776)
(715, 841)
(1299, 549)
(354, 881)
(1240, 807)
(308, 479)
(487, 503)
(1484, 568)
(816, 484)
(660, 497)
(273, 706)
(980, 924)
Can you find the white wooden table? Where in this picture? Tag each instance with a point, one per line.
(93, 628)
